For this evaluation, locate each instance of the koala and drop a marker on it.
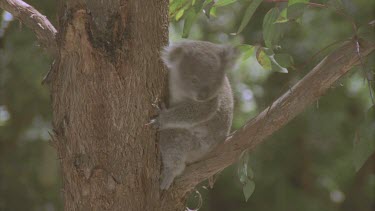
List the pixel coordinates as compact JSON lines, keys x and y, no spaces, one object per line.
{"x":200,"y":107}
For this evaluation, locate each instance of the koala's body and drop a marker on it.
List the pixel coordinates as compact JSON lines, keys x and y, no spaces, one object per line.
{"x":199,"y":115}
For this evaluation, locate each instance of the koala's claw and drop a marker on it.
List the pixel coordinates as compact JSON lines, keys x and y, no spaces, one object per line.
{"x":154,"y":123}
{"x":159,"y":108}
{"x":156,"y":106}
{"x":156,"y":103}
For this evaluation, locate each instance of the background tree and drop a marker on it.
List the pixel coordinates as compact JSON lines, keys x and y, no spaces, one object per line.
{"x":102,"y":88}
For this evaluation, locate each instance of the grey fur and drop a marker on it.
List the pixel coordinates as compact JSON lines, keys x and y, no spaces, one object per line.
{"x":200,"y":104}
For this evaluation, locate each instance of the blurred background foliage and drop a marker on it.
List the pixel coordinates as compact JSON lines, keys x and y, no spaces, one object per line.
{"x":323,"y":160}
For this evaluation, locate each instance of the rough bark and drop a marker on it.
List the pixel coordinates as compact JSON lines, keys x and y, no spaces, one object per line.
{"x":104,"y":79}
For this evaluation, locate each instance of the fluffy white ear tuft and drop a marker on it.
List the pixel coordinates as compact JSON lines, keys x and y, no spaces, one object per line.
{"x":172,"y":54}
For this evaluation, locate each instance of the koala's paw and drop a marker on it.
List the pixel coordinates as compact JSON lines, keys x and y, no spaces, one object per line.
{"x":155,"y":121}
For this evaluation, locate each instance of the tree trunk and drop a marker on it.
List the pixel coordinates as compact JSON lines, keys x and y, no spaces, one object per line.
{"x":106,"y":74}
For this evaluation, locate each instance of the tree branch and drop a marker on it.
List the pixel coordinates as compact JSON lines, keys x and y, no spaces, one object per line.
{"x":284,"y":109}
{"x":42,"y":27}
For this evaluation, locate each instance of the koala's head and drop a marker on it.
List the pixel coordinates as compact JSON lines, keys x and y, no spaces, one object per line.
{"x":198,"y":68}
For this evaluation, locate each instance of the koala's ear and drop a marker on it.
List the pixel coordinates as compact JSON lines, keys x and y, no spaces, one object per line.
{"x":229,"y":55}
{"x":172,"y":54}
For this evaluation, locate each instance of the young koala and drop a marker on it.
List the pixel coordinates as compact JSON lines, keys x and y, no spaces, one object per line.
{"x":200,"y":109}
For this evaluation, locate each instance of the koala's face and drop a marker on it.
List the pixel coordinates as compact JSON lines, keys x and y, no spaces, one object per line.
{"x":198,"y":68}
{"x":200,"y":74}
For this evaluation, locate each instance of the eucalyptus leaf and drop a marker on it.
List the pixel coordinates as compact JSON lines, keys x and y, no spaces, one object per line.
{"x":364,"y":143}
{"x":243,"y":178}
{"x":208,"y":7}
{"x":248,"y":189}
{"x":268,"y":51}
{"x":266,"y":58}
{"x":282,"y":17}
{"x":263,"y":59}
{"x":198,"y":6}
{"x":213,"y":12}
{"x":176,"y":5}
{"x":295,"y":11}
{"x":246,"y":50}
{"x":248,"y":14}
{"x":284,"y":60}
{"x":190,"y":17}
{"x":283,"y":13}
{"x":271,"y":30}
{"x":276,"y":66}
{"x":179,"y":14}
{"x":221,"y":3}
{"x":250,"y":173}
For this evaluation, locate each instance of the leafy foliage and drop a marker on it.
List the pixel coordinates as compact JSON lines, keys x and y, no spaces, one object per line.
{"x":246,"y":175}
{"x":248,"y":14}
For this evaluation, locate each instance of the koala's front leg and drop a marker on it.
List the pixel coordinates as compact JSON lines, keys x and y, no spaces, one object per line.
{"x":154,"y":121}
{"x":187,"y":114}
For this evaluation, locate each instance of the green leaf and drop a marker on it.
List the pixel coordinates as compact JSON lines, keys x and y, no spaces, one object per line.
{"x":285,"y":60}
{"x":213,"y":12}
{"x":291,"y":2}
{"x":364,"y":142}
{"x":248,"y":14}
{"x":295,"y":11}
{"x":263,"y":59}
{"x":271,"y":30}
{"x":208,"y":7}
{"x":243,"y":178}
{"x":179,"y":14}
{"x":283,"y":13}
{"x":246,"y":50}
{"x":282,"y":17}
{"x":250,"y":173}
{"x":266,"y":59}
{"x":198,"y":6}
{"x":276,"y":66}
{"x":248,"y":189}
{"x":268,"y":51}
{"x":190,"y":17}
{"x":221,"y":3}
{"x":175,"y":6}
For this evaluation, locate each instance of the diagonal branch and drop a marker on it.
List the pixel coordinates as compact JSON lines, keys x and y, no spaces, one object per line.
{"x":42,"y":27}
{"x":284,"y":109}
